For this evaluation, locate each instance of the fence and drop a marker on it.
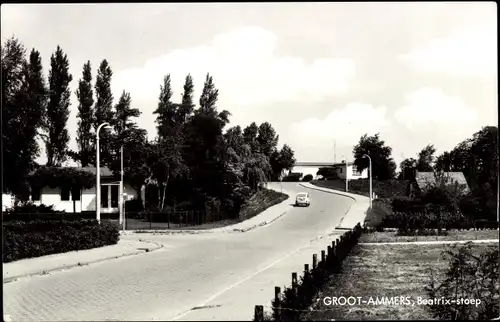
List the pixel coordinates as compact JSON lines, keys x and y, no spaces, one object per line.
{"x":170,"y":220}
{"x":288,"y":305}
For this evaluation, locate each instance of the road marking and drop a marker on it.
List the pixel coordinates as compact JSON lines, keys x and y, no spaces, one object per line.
{"x":213,"y":297}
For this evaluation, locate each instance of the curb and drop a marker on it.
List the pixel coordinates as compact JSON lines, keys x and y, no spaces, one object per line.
{"x":326,"y":190}
{"x":62,"y":268}
{"x":335,"y":192}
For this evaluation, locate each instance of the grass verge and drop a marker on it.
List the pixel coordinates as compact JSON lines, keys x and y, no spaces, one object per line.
{"x":383,"y":271}
{"x":452,"y":235}
{"x":258,"y":203}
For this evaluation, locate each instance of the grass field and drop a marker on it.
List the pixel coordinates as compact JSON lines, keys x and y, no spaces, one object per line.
{"x":391,"y":236}
{"x":383,"y":271}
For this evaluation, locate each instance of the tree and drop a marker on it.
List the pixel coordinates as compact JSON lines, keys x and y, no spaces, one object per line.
{"x":165,"y":112}
{"x":477,"y":159}
{"x":23,"y":105}
{"x":103,"y":109}
{"x":408,"y":167}
{"x":57,"y":136}
{"x":250,"y":134}
{"x":282,"y":160}
{"x":267,"y":139}
{"x":383,"y":165}
{"x":134,"y":142}
{"x":165,"y":163}
{"x":85,"y":115}
{"x":426,"y":159}
{"x":443,"y":162}
{"x":187,"y":105}
{"x":209,"y":96}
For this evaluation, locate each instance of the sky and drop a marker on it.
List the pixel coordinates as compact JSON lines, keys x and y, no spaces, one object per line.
{"x":323,"y":74}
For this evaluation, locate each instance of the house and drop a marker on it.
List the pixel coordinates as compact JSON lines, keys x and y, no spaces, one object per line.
{"x":76,"y":199}
{"x":350,"y":171}
{"x":424,"y":180}
{"x":313,"y":167}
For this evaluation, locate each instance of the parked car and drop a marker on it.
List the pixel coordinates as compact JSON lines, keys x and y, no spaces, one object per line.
{"x":302,"y":199}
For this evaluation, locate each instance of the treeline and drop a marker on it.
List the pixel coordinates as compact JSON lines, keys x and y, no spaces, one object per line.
{"x":193,"y":159}
{"x":475,"y":157}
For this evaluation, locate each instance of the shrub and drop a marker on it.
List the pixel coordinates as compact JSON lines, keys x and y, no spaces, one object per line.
{"x":292,"y":177}
{"x":307,"y":178}
{"x":29,"y":211}
{"x":134,"y":205}
{"x":42,"y":237}
{"x":382,"y":188}
{"x":469,"y":276}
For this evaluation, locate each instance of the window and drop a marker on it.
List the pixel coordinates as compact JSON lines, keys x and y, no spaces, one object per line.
{"x":114,"y":196}
{"x":75,"y":193}
{"x":65,"y":194}
{"x":104,"y":196}
{"x":35,"y":193}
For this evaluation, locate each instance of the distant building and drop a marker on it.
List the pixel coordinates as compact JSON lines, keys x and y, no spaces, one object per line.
{"x":312,"y":168}
{"x":425,"y":180}
{"x":351,"y":171}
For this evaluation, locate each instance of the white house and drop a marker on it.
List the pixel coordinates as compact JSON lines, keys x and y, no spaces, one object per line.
{"x":351,"y":171}
{"x":312,"y":168}
{"x":75,"y":199}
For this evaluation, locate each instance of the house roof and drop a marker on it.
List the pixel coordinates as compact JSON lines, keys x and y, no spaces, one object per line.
{"x":105,"y":171}
{"x":342,"y":164}
{"x":424,"y":179}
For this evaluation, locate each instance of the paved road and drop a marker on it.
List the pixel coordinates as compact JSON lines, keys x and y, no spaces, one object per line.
{"x":228,"y":270}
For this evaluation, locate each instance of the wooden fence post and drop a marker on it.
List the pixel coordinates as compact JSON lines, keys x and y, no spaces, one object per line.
{"x":306,"y":268}
{"x":294,"y":278}
{"x":277,"y":303}
{"x":259,"y":313}
{"x":315,"y":261}
{"x":323,"y":256}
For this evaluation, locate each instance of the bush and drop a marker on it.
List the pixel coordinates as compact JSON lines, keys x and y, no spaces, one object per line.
{"x":259,"y":202}
{"x":29,"y":211}
{"x":307,"y":178}
{"x":383,"y":188}
{"x":292,"y":177}
{"x":134,"y":205}
{"x":470,"y":276}
{"x":43,"y":237}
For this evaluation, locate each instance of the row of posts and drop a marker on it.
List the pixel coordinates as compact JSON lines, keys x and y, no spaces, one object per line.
{"x":287,"y":305}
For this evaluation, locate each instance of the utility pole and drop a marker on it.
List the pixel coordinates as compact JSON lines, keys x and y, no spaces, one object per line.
{"x":334,"y":151}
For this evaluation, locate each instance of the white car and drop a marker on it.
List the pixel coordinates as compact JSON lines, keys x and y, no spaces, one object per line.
{"x":302,"y":199}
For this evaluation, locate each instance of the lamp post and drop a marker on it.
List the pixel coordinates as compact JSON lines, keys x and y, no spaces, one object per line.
{"x":370,"y":171}
{"x":98,"y":172}
{"x":122,"y":205}
{"x":346,"y":173}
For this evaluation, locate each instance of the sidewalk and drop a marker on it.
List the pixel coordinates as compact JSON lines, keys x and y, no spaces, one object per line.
{"x":356,"y":213}
{"x":50,"y":263}
{"x":264,"y":218}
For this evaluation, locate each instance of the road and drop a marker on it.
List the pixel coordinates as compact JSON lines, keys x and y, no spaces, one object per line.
{"x":228,"y":273}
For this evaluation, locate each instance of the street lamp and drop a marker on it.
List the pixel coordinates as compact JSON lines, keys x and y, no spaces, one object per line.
{"x":98,"y":172}
{"x":346,"y":173}
{"x":371,"y":177}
